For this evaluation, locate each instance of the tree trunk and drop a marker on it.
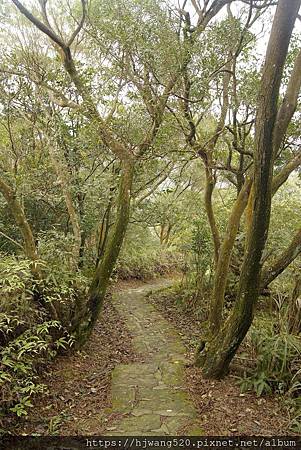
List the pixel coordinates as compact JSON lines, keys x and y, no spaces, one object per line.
{"x":223,"y":347}
{"x":30,"y":249}
{"x":103,"y":232}
{"x":82,"y":249}
{"x":162,"y":233}
{"x":81,"y":209}
{"x":224,"y":257}
{"x":85,"y":322}
{"x":281,"y":177}
{"x":289,"y":104}
{"x":21,"y":221}
{"x":280,"y":264}
{"x":210,"y":183}
{"x":167,"y":235}
{"x":206,"y":155}
{"x":165,"y":230}
{"x":60,"y":167}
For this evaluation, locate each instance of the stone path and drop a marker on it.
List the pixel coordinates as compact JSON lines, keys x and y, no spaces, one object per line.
{"x":150,"y":396}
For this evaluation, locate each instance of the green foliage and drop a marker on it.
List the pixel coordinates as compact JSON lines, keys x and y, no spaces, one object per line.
{"x":61,"y":285}
{"x":56,"y":422}
{"x":142,"y":256}
{"x":277,"y":356}
{"x":159,"y":86}
{"x":293,"y":402}
{"x":15,"y":275}
{"x":286,"y":209}
{"x":194,"y":291}
{"x":21,"y":361}
{"x":28,"y":339}
{"x":17,"y":310}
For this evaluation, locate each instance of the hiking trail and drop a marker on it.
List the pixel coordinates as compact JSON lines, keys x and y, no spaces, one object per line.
{"x":150,"y":395}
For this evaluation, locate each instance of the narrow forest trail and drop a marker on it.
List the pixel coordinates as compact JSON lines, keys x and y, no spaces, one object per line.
{"x":131,"y":379}
{"x":150,"y":396}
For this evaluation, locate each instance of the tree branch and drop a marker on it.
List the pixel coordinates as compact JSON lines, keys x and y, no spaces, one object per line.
{"x":80,"y":25}
{"x":12,"y":240}
{"x":40,"y":25}
{"x":289,"y":104}
{"x":282,"y":262}
{"x":285,"y":172}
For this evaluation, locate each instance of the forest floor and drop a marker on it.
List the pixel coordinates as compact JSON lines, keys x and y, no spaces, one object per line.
{"x":132,"y":378}
{"x":222,"y":409}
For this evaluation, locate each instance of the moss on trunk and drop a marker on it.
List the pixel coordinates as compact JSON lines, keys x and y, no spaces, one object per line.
{"x":85,"y":323}
{"x":220,"y":351}
{"x":224,"y":258}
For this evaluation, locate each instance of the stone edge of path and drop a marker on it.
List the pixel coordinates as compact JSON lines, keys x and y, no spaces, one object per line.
{"x":149,"y":398}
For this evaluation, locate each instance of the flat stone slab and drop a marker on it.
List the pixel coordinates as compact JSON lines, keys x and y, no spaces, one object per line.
{"x":150,"y":396}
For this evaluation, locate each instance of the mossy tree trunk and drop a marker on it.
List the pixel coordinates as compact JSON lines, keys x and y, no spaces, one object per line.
{"x":85,"y":322}
{"x":19,"y":216}
{"x":209,"y":188}
{"x":245,"y":202}
{"x":270,"y":272}
{"x":224,"y":258}
{"x":29,"y":245}
{"x":220,"y":351}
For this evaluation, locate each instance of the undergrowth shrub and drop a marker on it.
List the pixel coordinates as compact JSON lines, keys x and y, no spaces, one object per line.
{"x":277,"y":357}
{"x":188,"y":299}
{"x":17,"y":308}
{"x":293,"y":402}
{"x":143,"y":266}
{"x":62,"y":286}
{"x":28,"y":338}
{"x":194,"y":290}
{"x":277,"y":354}
{"x":22,"y":360}
{"x":143,"y":257}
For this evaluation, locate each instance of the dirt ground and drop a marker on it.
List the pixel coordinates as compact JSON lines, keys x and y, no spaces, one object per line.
{"x":79,"y":384}
{"x":223,"y":409}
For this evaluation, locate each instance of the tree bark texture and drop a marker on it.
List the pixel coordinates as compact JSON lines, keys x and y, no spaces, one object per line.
{"x":18,"y":214}
{"x":223,"y":347}
{"x":85,"y":323}
{"x":224,"y":257}
{"x":269,"y":273}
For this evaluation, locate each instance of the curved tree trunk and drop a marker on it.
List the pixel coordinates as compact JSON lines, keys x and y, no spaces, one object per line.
{"x":280,"y":264}
{"x":223,"y":347}
{"x":30,"y":249}
{"x":281,"y":177}
{"x":222,"y":267}
{"x":21,"y":221}
{"x":289,"y":104}
{"x":86,"y":321}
